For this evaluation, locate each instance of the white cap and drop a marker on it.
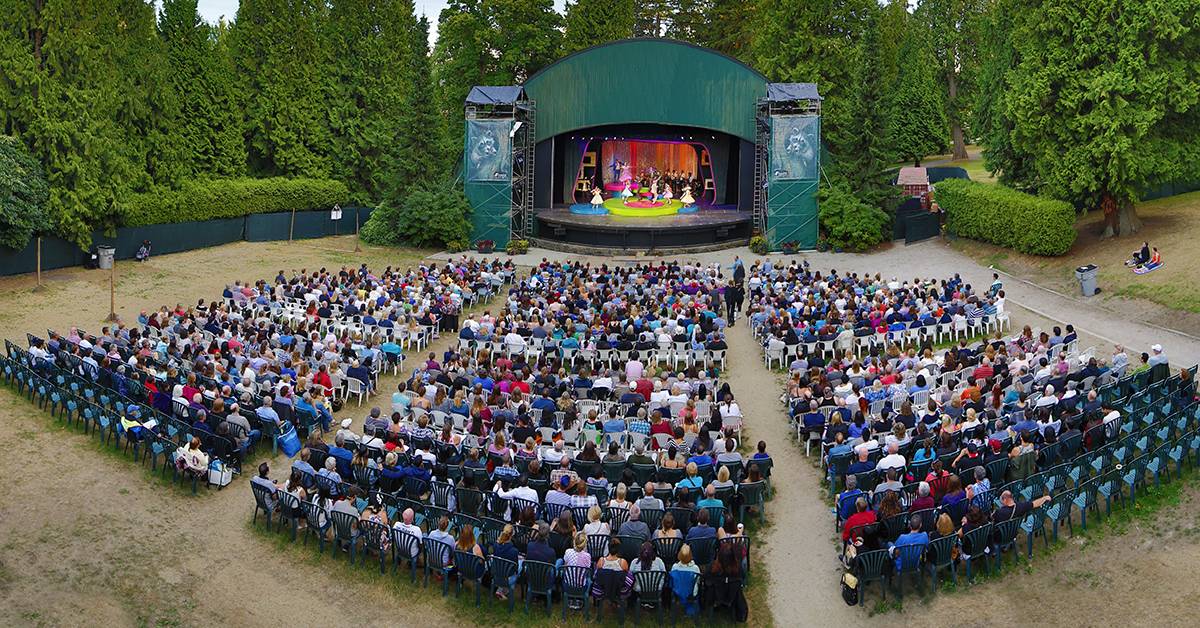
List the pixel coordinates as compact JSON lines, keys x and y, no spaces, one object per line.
{"x":1156,"y":348}
{"x":346,"y":423}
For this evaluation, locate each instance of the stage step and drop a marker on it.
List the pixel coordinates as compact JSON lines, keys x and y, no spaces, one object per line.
{"x":588,"y":249}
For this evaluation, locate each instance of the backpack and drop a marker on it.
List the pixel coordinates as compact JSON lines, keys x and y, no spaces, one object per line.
{"x":849,"y":589}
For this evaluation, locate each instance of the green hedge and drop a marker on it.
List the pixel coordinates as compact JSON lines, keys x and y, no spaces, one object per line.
{"x":1000,"y":215}
{"x":231,"y":198}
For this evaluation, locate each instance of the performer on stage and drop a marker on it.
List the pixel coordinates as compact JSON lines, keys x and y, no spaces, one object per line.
{"x":667,"y":193}
{"x":654,"y":190}
{"x":626,"y":193}
{"x":597,"y":198}
{"x":687,"y":199}
{"x":626,"y":174}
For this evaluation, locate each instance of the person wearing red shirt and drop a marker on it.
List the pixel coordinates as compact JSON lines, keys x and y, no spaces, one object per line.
{"x":644,"y":387}
{"x":984,"y":370}
{"x":862,"y":516}
{"x":321,"y":378}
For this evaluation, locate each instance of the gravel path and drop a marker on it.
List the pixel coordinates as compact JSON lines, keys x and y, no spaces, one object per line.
{"x":797,"y":551}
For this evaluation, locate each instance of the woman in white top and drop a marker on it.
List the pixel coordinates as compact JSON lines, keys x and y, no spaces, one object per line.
{"x":729,"y":407}
{"x":594,"y":524}
{"x":618,"y":500}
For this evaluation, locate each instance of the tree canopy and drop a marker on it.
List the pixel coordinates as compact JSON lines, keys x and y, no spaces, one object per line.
{"x":1102,"y":99}
{"x":1085,"y":102}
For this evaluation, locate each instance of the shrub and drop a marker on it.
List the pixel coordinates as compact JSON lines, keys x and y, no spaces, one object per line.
{"x":23,"y":194}
{"x":428,"y":215}
{"x":849,"y":223}
{"x":230,"y":198}
{"x":1000,"y":215}
{"x":758,"y":245}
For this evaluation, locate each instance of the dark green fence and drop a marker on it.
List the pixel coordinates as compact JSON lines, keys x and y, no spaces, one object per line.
{"x":183,"y":236}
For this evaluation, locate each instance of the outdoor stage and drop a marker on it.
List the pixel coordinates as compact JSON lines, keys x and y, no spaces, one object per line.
{"x":700,"y":229}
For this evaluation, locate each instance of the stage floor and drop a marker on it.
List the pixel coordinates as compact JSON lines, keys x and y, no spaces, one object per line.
{"x":704,"y":228}
{"x":703,"y":219}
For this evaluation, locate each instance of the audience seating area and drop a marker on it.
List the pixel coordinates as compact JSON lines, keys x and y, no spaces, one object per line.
{"x":578,"y":444}
{"x":938,"y":458}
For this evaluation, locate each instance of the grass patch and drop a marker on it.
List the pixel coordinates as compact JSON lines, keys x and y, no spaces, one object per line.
{"x":1174,"y":296}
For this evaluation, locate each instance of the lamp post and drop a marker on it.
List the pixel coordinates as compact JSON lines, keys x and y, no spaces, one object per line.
{"x":357,"y":248}
{"x":112,"y":292}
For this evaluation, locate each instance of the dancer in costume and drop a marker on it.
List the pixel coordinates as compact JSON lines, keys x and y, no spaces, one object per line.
{"x":667,"y":193}
{"x":597,"y":198}
{"x":654,"y":190}
{"x":626,"y":193}
{"x":687,"y":199}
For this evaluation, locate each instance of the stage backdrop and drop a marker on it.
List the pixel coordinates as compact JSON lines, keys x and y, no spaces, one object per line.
{"x":794,"y":167}
{"x":487,"y":165}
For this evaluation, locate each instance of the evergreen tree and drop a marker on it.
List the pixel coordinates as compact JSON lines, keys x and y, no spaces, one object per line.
{"x":426,"y":161}
{"x":524,"y":36}
{"x":728,"y":27}
{"x":954,"y":25}
{"x":863,"y":158}
{"x":373,"y":86}
{"x":461,"y":59}
{"x":23,"y":194}
{"x":893,"y":22}
{"x":201,"y":76}
{"x":283,"y":60}
{"x":99,"y":113}
{"x":592,"y":22}
{"x":813,"y":42}
{"x":998,"y":57}
{"x":916,"y":110}
{"x":691,"y":20}
{"x":652,"y":18}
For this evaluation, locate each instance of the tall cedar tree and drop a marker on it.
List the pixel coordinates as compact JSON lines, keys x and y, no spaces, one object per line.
{"x":461,"y":59}
{"x":1105,"y":98}
{"x":524,"y":37}
{"x":201,"y":76}
{"x":283,"y":60}
{"x":864,"y":159}
{"x":916,"y":111}
{"x":813,"y":42}
{"x":592,"y":22}
{"x":992,"y":125}
{"x":373,"y":86}
{"x":954,"y":26}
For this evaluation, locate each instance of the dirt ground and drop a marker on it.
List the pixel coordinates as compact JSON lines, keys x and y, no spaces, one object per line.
{"x":87,"y":538}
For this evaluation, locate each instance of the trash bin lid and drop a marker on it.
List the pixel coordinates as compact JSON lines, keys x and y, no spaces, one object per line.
{"x":1085,"y":269}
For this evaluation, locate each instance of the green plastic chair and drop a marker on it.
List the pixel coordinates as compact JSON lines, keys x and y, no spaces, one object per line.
{"x":975,"y":546}
{"x":869,"y":567}
{"x":939,"y":556}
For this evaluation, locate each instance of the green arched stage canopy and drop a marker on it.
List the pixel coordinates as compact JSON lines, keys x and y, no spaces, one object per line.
{"x":655,"y":81}
{"x":644,"y":109}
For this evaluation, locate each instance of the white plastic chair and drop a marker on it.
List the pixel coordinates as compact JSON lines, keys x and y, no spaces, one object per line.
{"x":355,"y":386}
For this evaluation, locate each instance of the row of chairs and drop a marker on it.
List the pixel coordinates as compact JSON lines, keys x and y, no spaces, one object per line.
{"x":419,"y":554}
{"x":81,"y":403}
{"x":1155,"y":443}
